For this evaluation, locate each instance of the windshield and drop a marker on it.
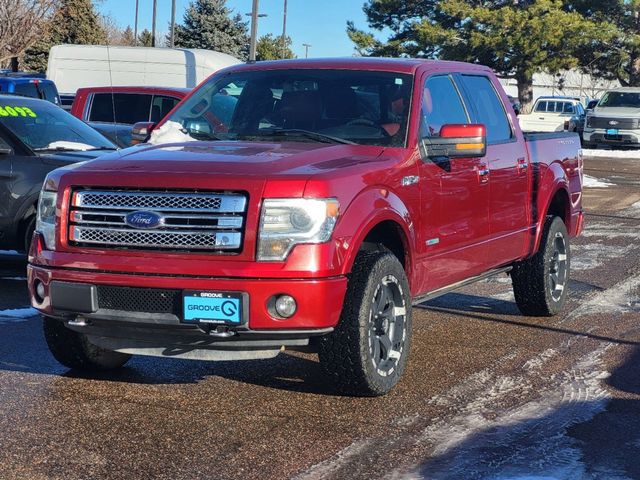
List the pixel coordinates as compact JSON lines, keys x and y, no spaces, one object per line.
{"x":620,"y":99}
{"x":43,"y":126}
{"x":341,"y":105}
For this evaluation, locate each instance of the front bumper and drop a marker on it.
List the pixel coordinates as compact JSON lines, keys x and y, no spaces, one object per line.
{"x":76,"y":296}
{"x":624,"y":137}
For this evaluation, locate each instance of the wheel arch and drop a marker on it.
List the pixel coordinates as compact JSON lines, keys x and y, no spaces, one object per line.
{"x":388,"y":225}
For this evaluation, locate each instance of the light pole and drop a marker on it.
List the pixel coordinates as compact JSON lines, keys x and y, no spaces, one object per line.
{"x":284,"y":31}
{"x":153,"y":23}
{"x":135,"y":28}
{"x":173,"y":24}
{"x":306,"y":50}
{"x":254,"y":30}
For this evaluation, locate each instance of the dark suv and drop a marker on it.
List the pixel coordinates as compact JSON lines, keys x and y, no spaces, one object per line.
{"x":35,"y":138}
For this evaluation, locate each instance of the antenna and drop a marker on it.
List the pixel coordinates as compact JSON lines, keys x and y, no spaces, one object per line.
{"x":113,"y":101}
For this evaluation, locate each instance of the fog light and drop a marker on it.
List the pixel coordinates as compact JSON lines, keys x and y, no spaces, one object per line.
{"x":286,"y":306}
{"x":39,"y":290}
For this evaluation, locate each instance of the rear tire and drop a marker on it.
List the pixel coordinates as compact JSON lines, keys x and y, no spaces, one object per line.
{"x":540,"y":283}
{"x":367,"y":352}
{"x":73,"y":349}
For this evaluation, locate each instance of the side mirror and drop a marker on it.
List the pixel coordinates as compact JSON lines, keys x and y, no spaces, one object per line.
{"x":140,"y":132}
{"x":457,"y":141}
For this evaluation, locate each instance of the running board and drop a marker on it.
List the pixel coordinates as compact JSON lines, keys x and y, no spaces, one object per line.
{"x":444,"y":290}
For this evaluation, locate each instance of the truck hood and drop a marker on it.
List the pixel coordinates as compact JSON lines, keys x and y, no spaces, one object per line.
{"x":246,"y":159}
{"x":615,"y":112}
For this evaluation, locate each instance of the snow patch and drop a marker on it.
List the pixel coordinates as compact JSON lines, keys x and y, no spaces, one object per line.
{"x":81,"y":147}
{"x":611,"y":153}
{"x":592,"y":182}
{"x":170,"y":132}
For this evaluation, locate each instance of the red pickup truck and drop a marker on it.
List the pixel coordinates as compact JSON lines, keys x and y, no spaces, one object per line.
{"x":309,"y":210}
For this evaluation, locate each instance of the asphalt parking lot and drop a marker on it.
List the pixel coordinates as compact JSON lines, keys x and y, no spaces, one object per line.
{"x":488,"y":394}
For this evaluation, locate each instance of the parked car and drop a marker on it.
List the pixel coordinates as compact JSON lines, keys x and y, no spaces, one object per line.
{"x":35,"y":138}
{"x":615,"y":120}
{"x":113,"y":110}
{"x":336,"y":195}
{"x":29,"y":86}
{"x":554,"y":114}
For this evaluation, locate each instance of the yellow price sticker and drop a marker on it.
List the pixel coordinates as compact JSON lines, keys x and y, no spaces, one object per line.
{"x":9,"y":111}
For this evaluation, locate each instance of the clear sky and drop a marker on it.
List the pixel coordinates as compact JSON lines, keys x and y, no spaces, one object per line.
{"x":320,"y":23}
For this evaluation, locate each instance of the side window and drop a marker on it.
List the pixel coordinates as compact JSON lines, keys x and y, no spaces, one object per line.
{"x":26,"y":90}
{"x":129,"y":108}
{"x":580,"y":109}
{"x":160,"y":106}
{"x":542,"y":107}
{"x":101,"y":108}
{"x":49,"y":92}
{"x":568,"y":108}
{"x":441,"y":105}
{"x":488,"y":108}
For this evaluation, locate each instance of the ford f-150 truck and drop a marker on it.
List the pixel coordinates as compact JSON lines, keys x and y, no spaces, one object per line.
{"x":336,"y":195}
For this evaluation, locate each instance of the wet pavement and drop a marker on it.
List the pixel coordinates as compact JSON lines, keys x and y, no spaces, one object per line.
{"x":488,"y":394}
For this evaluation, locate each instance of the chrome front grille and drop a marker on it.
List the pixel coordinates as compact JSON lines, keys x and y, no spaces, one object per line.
{"x":186,"y":221}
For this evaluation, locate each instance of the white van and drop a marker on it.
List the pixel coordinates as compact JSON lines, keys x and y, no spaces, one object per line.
{"x":76,"y":66}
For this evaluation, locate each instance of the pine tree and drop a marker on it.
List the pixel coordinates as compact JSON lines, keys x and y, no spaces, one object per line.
{"x":145,"y":39}
{"x":516,"y":38}
{"x":616,"y":57}
{"x":209,"y":24}
{"x":269,"y":47}
{"x":74,"y":22}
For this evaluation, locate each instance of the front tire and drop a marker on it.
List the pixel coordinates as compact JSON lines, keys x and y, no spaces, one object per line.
{"x":73,"y":349}
{"x":540,"y":283}
{"x":367,"y":352}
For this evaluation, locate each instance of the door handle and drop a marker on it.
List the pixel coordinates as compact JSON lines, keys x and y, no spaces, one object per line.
{"x":522,"y":165}
{"x":483,"y":173}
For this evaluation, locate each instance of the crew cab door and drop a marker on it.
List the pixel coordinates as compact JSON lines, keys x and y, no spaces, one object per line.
{"x":508,"y":164}
{"x":454,"y":195}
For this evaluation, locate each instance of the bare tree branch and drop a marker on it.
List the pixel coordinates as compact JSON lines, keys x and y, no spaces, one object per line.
{"x":22,"y":23}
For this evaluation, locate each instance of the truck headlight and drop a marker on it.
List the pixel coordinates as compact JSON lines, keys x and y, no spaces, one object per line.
{"x":287,"y":222}
{"x":46,"y":218}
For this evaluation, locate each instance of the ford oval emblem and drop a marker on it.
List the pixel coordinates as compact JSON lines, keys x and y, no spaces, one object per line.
{"x":144,"y":220}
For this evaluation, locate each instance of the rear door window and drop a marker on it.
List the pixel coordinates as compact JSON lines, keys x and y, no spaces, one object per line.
{"x":161,"y":106}
{"x":26,"y":90}
{"x":568,"y":108}
{"x":487,"y":107}
{"x":541,"y":107}
{"x":129,"y":108}
{"x":441,"y":105}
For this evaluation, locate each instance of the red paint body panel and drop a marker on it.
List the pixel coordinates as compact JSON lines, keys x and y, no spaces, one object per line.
{"x":454,"y":222}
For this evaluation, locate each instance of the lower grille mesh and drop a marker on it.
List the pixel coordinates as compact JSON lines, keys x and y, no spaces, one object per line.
{"x":151,"y":300}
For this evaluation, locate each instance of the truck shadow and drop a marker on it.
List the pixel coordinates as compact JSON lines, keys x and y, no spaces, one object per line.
{"x":582,"y":438}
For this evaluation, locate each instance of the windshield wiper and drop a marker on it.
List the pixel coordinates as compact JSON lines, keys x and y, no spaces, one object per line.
{"x":57,"y":149}
{"x":99,"y":149}
{"x":319,"y":137}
